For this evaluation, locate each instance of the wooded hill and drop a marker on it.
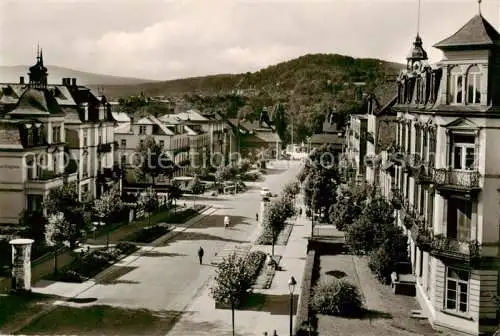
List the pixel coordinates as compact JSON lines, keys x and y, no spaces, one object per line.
{"x":306,"y":87}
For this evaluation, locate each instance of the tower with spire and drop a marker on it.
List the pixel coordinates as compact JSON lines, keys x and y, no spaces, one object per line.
{"x":417,"y":53}
{"x":38,"y":72}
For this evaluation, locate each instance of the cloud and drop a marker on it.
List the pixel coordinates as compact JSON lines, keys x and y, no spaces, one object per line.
{"x":170,"y":39}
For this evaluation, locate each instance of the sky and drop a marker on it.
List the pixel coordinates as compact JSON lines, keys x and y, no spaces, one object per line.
{"x":167,"y":39}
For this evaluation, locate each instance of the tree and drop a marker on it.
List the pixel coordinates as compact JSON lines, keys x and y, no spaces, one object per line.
{"x":232,"y":280}
{"x":35,"y":224}
{"x":108,"y":207}
{"x":174,"y":192}
{"x":60,"y":232}
{"x":149,"y":201}
{"x":65,"y":200}
{"x":291,"y":189}
{"x":276,"y":215}
{"x":370,"y":230}
{"x":280,"y":122}
{"x":154,"y":161}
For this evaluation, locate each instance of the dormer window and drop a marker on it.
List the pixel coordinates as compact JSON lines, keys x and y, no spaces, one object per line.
{"x":456,"y":86}
{"x":142,"y":130}
{"x":474,"y":85}
{"x":30,"y":137}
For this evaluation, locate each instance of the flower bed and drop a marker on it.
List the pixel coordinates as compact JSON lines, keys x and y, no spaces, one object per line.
{"x":89,"y":264}
{"x":266,"y":275}
{"x":148,"y":234}
{"x":266,"y":236}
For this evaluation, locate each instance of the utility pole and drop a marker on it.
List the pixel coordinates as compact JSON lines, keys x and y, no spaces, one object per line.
{"x":292,"y":131}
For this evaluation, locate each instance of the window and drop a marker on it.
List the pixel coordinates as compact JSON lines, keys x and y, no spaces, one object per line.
{"x":85,"y":166}
{"x":85,"y":138}
{"x":123,"y":143}
{"x":459,"y":219}
{"x":457,"y":290}
{"x":162,"y":143}
{"x":456,"y":86}
{"x":99,"y":140}
{"x":425,"y":156}
{"x":463,"y":152}
{"x":141,"y":143}
{"x":123,"y":159}
{"x":56,"y":135}
{"x":30,"y":137}
{"x":34,"y":203}
{"x":142,"y":130}
{"x":474,"y":85}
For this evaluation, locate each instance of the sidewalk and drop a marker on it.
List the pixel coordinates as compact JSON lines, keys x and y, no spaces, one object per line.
{"x":67,"y":291}
{"x":271,"y":313}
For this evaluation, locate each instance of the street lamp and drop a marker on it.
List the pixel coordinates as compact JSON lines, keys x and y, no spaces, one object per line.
{"x":291,"y":286}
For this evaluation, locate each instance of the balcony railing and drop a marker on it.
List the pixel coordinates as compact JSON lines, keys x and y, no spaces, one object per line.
{"x":422,"y":234}
{"x":423,"y":175}
{"x":104,"y":147}
{"x":45,"y":175}
{"x":462,"y":179}
{"x":449,"y":248}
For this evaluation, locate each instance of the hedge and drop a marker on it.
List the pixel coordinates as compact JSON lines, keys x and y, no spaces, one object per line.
{"x":304,"y":312}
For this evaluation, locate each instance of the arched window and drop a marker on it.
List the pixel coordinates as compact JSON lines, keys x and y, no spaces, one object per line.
{"x":456,"y":86}
{"x":474,"y":85}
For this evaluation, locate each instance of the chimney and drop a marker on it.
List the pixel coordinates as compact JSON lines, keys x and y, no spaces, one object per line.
{"x":73,"y":81}
{"x":63,"y":81}
{"x":21,"y":80}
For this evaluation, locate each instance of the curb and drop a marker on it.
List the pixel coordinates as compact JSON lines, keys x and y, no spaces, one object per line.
{"x":105,"y":273}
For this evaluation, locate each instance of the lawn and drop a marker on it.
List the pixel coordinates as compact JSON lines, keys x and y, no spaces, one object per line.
{"x":15,"y":308}
{"x":103,"y":320}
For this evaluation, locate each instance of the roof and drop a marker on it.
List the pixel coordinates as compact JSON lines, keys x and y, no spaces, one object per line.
{"x":477,"y":32}
{"x":120,"y":116}
{"x":170,"y":119}
{"x":260,"y":137}
{"x":161,"y":126}
{"x":191,"y":115}
{"x":189,"y":130}
{"x":386,"y":135}
{"x":36,"y":102}
{"x":326,"y":138}
{"x":144,"y":121}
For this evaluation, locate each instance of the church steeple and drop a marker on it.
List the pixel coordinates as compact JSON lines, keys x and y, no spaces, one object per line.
{"x":38,"y":72}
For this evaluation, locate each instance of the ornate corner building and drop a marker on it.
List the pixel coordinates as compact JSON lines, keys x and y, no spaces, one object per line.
{"x":51,"y":134}
{"x":446,"y":176}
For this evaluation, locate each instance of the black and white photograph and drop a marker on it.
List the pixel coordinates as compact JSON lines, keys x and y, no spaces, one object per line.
{"x":250,"y":167}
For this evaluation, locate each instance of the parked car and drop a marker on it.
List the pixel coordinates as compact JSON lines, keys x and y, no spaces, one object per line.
{"x":402,"y":279}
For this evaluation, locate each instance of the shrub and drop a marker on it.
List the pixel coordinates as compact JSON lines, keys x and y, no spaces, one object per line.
{"x":337,"y":297}
{"x":253,"y":263}
{"x":235,"y":277}
{"x":125,"y":247}
{"x":304,"y":313}
{"x":381,"y":264}
{"x":148,"y":234}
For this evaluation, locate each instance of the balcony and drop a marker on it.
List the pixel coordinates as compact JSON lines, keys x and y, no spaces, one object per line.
{"x":109,"y":175}
{"x":423,"y":175}
{"x":456,"y":180}
{"x":450,"y":249}
{"x":421,"y":234}
{"x":48,"y":179}
{"x":104,"y":147}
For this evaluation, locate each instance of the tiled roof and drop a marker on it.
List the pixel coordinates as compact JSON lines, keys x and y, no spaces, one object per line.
{"x":326,"y":138}
{"x":476,"y":32}
{"x":385,"y":95}
{"x":123,"y":128}
{"x":191,"y":115}
{"x":165,"y":130}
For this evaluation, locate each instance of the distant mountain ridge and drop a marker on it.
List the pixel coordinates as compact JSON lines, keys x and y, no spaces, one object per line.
{"x":11,"y":74}
{"x":306,"y":75}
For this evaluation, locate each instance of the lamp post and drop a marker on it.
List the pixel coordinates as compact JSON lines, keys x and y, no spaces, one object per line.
{"x":291,"y":286}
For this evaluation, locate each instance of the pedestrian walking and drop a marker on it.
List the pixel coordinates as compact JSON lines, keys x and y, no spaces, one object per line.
{"x":200,"y":254}
{"x":257,"y":216}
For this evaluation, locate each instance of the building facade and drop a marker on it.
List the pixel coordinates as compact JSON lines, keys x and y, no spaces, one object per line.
{"x":447,"y":176}
{"x":43,"y":144}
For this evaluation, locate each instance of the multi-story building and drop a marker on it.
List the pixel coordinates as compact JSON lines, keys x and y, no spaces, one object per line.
{"x":41,"y":142}
{"x":371,"y":131}
{"x":447,"y":172}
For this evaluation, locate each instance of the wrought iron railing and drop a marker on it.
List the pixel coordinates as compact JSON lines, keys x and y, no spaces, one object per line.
{"x":451,"y":248}
{"x":466,"y":179}
{"x":422,"y":234}
{"x":104,"y":147}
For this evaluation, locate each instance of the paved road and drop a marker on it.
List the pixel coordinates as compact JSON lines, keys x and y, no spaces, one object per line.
{"x":169,"y":277}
